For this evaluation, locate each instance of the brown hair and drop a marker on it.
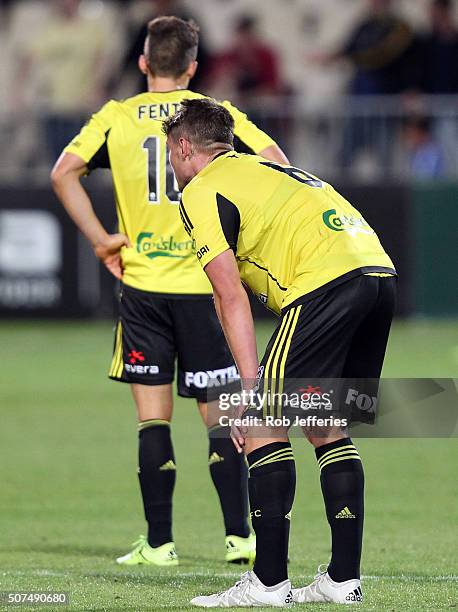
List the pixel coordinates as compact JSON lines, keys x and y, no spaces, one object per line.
{"x":202,"y":121}
{"x":171,"y":45}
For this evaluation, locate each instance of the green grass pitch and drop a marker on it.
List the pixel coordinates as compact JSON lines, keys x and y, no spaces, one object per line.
{"x":69,"y":500}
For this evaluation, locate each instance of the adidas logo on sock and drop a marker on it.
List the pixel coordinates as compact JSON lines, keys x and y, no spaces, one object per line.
{"x":356,"y":595}
{"x":215,"y":458}
{"x":168,"y":465}
{"x":345,"y":513}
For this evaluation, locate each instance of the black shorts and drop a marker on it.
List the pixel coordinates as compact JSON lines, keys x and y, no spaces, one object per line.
{"x":330,"y":343}
{"x":154,"y":330}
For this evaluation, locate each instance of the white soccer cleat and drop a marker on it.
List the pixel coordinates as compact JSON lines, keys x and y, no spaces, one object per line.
{"x":248,"y":592}
{"x":324,"y":590}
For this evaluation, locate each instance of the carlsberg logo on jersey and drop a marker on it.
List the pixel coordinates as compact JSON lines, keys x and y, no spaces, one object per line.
{"x":340,"y":223}
{"x":211,"y":378}
{"x":152,"y":247}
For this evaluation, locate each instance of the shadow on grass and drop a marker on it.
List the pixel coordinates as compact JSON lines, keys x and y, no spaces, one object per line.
{"x":110,"y":553}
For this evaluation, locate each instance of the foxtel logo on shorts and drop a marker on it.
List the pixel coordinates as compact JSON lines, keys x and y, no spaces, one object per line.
{"x":363,"y":401}
{"x":211,"y":378}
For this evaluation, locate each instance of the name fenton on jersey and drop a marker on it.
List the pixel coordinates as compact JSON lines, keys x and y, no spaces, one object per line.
{"x":157,"y":111}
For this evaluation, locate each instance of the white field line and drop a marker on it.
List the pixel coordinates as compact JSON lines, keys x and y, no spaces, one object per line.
{"x":402,"y":578}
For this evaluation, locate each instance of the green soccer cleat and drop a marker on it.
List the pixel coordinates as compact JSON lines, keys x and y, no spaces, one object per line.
{"x":144,"y":554}
{"x":241,"y":550}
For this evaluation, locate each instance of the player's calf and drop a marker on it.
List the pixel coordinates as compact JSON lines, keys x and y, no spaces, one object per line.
{"x":272,"y":485}
{"x":342,"y":485}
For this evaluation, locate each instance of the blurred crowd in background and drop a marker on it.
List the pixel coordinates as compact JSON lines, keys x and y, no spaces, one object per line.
{"x":366,"y":87}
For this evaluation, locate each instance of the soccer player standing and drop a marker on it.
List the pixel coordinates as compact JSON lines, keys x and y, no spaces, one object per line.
{"x":166,"y":306}
{"x":311,"y":258}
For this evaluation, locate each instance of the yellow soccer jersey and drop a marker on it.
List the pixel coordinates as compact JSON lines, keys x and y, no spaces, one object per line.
{"x":126,"y":137}
{"x":293,"y":235}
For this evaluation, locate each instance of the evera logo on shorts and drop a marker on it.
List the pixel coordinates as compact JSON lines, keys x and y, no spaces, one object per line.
{"x":211,"y":378}
{"x":341,"y":223}
{"x":136,"y":358}
{"x":141,"y":369}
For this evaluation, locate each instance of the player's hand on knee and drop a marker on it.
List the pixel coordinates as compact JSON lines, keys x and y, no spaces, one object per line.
{"x":238,"y":432}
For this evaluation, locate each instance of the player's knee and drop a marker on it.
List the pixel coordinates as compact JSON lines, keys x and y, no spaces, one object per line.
{"x":319,"y":438}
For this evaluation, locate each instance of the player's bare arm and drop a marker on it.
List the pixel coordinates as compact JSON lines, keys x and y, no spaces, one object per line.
{"x":66,"y":181}
{"x":234,"y":313}
{"x":274,"y":153}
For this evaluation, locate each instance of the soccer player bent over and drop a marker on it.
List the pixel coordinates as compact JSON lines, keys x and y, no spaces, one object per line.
{"x":165,"y":301}
{"x":312,"y":259}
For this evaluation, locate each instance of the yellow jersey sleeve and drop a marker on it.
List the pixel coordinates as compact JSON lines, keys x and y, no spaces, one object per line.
{"x":91,"y":143}
{"x":199,"y":213}
{"x":246,"y":131}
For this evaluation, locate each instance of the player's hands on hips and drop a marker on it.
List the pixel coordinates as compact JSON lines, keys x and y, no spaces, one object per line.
{"x":109,"y":252}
